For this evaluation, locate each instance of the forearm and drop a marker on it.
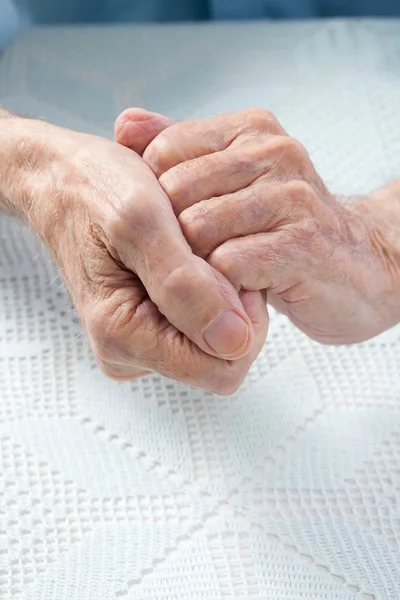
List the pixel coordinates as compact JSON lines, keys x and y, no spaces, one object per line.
{"x":31,"y":159}
{"x":13,"y":163}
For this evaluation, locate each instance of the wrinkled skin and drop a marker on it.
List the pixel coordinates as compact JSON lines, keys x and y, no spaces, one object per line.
{"x":144,"y":299}
{"x":250,"y":202}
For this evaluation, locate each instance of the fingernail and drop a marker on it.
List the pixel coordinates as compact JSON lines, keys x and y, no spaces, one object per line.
{"x":227,"y":335}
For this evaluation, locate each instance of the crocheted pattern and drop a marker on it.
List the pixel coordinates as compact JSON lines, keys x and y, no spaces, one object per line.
{"x":288,"y":490}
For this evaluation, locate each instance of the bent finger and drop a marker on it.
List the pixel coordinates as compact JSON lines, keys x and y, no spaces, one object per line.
{"x":191,"y":139}
{"x":135,"y":128}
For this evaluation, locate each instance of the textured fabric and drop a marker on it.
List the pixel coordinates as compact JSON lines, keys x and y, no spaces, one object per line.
{"x":149,"y":490}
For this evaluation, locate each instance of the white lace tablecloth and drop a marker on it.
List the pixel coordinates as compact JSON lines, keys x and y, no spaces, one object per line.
{"x":289,"y":490}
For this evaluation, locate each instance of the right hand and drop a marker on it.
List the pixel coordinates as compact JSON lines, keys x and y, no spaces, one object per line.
{"x":250,"y":202}
{"x":147,"y":303}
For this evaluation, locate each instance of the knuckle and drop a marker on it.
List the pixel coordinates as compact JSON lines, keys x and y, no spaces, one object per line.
{"x":102,"y":336}
{"x":231,"y":262}
{"x":184,"y":277}
{"x":172,"y":182}
{"x":131,"y":212}
{"x":157,"y":153}
{"x":264,"y":120}
{"x":111,"y":330}
{"x":300,"y":192}
{"x":249,"y":161}
{"x":292,"y":150}
{"x":193,"y":225}
{"x":179,"y":285}
{"x":225,"y":260}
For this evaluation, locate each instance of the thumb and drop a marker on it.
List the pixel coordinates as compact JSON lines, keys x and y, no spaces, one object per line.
{"x":135,"y":128}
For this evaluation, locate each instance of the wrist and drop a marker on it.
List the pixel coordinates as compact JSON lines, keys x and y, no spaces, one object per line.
{"x":10,"y":166}
{"x":19,"y":156}
{"x":379,"y":216}
{"x":29,"y":155}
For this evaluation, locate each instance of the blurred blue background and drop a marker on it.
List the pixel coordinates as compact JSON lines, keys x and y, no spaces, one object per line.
{"x":16,"y":13}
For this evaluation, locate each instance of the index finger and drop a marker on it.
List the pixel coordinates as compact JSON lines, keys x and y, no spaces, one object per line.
{"x":191,"y":139}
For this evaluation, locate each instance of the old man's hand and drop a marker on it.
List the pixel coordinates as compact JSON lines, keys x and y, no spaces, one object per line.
{"x":146,"y":302}
{"x":250,"y":202}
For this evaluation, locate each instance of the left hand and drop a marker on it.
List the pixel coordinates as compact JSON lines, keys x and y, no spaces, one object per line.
{"x":250,"y":201}
{"x":146,"y":303}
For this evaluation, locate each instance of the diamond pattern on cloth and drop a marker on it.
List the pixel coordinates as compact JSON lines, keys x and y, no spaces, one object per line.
{"x":149,"y":490}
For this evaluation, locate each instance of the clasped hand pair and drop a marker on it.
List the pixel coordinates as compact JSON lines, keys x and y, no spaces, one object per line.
{"x":172,"y":240}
